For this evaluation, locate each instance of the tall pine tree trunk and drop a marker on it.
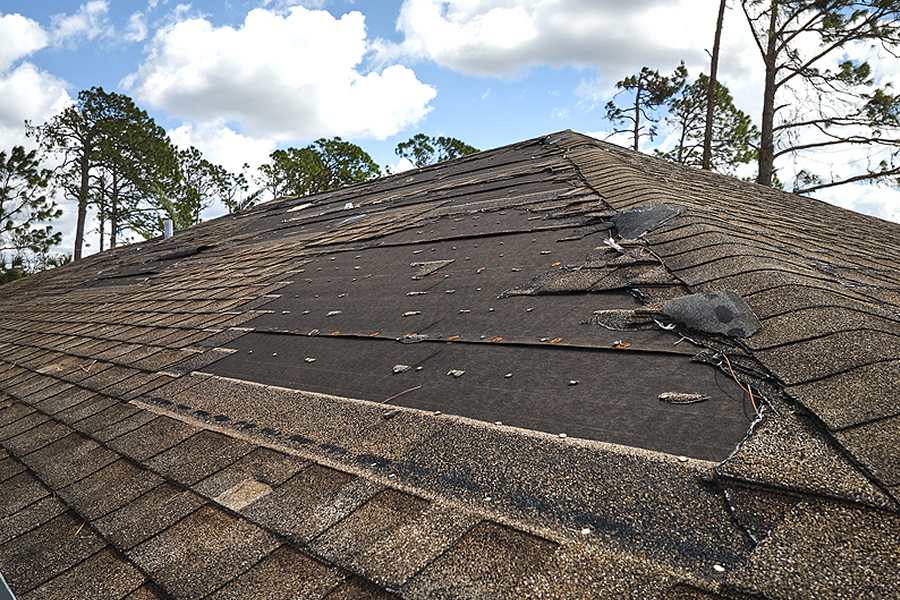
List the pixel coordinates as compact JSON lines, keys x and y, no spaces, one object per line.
{"x":711,"y":92}
{"x":85,"y":168}
{"x":637,"y":111}
{"x":114,"y":213}
{"x":767,"y":135}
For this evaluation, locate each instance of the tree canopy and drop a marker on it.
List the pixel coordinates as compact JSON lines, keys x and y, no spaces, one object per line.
{"x":26,"y":205}
{"x":641,"y":95}
{"x":111,"y":153}
{"x":422,"y":150}
{"x":809,"y":104}
{"x":733,"y":137}
{"x":324,"y":165}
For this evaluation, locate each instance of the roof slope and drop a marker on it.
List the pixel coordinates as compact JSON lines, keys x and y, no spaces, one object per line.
{"x":444,"y":384}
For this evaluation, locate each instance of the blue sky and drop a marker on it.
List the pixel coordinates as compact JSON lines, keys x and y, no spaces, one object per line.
{"x":242,"y":77}
{"x":482,"y":110}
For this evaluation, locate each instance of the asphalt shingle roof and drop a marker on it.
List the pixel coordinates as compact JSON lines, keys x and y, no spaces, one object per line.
{"x":449,"y":383}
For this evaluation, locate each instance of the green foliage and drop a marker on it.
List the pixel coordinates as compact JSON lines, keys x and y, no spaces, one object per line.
{"x":808,"y":102}
{"x":134,"y":157}
{"x":112,"y":155}
{"x":734,"y":137}
{"x":422,"y":150}
{"x":324,"y":165}
{"x":644,"y":93}
{"x":25,"y":204}
{"x":12,"y":270}
{"x":23,"y":264}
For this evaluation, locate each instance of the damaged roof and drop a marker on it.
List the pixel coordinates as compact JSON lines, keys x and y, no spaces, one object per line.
{"x":553,"y":369}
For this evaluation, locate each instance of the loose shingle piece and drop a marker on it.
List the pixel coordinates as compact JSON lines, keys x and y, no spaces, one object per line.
{"x":556,"y":369}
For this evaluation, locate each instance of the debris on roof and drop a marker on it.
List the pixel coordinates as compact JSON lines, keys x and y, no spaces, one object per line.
{"x":633,"y":223}
{"x":721,"y":312}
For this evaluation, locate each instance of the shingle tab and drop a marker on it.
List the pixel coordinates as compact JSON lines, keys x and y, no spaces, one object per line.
{"x":217,"y":545}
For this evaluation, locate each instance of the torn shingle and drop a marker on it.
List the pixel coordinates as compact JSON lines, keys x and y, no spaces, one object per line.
{"x":722,"y":312}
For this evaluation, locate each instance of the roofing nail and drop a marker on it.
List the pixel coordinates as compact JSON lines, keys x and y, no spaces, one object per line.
{"x":562,"y":435}
{"x":545,"y":251}
{"x":498,"y":422}
{"x":455,"y":372}
{"x":412,"y":313}
{"x":682,"y":459}
{"x":249,"y":351}
{"x":718,"y":568}
{"x":464,"y":311}
{"x":508,"y":375}
{"x":529,"y":309}
{"x":332,"y":313}
{"x":274,"y":354}
{"x":305,"y":312}
{"x":490,"y":310}
{"x":573,"y":382}
{"x":400,"y":369}
{"x":342,"y":295}
{"x":310,"y":359}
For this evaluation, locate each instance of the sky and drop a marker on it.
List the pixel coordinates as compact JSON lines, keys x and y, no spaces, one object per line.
{"x":239,"y":78}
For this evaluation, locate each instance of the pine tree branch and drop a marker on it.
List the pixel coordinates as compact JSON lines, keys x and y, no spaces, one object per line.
{"x":853,"y":179}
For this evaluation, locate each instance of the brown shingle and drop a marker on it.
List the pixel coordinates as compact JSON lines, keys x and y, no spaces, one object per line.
{"x":216,"y":545}
{"x":46,"y":551}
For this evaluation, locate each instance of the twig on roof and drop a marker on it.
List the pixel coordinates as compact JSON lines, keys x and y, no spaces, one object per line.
{"x":747,"y":390}
{"x":398,"y":394}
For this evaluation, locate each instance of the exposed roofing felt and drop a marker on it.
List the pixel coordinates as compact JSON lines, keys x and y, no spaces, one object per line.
{"x":554,"y":369}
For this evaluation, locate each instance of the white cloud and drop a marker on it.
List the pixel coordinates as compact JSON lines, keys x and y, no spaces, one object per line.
{"x":21,"y":36}
{"x":26,"y":92}
{"x":222,"y":145}
{"x":402,"y":165}
{"x":875,"y":200}
{"x":506,"y":37}
{"x":280,"y":76}
{"x":137,"y":28}
{"x":89,"y":22}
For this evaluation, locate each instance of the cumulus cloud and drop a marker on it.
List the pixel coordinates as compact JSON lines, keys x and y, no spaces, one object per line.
{"x":21,"y":36}
{"x":279,"y":75}
{"x":89,"y":22}
{"x":26,"y":92}
{"x":222,"y":145}
{"x":505,"y":37}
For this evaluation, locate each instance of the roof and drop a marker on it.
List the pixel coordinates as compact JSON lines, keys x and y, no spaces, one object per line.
{"x":553,"y":369}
